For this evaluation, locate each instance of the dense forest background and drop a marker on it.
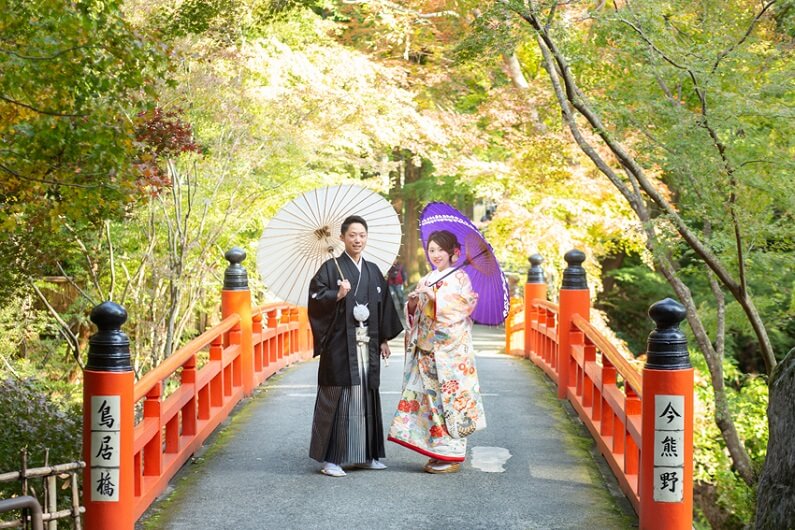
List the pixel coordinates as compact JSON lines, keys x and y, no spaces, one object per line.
{"x":141,"y":139}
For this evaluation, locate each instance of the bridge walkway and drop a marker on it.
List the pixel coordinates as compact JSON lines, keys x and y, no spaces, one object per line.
{"x":256,"y":474}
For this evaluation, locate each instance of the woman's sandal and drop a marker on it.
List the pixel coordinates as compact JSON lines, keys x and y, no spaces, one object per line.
{"x":431,"y":462}
{"x":439,"y":467}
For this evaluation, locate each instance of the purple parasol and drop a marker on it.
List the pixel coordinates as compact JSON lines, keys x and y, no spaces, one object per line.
{"x":477,"y":259}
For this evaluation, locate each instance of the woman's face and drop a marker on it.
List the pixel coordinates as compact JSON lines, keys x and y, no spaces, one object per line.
{"x":439,"y":256}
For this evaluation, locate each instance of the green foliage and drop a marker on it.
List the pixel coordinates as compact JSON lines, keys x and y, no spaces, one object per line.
{"x":73,"y":75}
{"x":633,"y":288}
{"x":727,"y":159}
{"x":748,"y":396}
{"x":200,"y":16}
{"x":491,"y":34}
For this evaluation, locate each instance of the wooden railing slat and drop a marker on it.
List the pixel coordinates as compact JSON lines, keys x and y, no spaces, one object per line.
{"x":628,"y":372}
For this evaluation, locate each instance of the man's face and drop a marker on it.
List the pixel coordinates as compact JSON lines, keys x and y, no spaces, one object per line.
{"x":355,"y":239}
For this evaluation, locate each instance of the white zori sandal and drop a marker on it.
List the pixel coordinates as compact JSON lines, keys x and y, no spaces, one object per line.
{"x":332,"y":470}
{"x":371,"y":464}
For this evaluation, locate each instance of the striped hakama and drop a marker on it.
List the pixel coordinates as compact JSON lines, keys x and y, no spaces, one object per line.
{"x":346,"y":425}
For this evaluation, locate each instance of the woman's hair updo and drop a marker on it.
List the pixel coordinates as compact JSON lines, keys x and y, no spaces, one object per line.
{"x":446,"y":240}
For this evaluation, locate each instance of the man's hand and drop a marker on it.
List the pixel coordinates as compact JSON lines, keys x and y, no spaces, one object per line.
{"x":385,"y":353}
{"x":343,"y":288}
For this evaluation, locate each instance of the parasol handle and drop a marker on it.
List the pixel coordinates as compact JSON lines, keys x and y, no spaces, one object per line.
{"x":466,"y":262}
{"x":331,"y":251}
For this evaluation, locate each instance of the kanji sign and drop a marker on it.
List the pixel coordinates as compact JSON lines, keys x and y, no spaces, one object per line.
{"x":669,"y":458}
{"x":105,"y":484}
{"x":668,"y":486}
{"x":669,"y":448}
{"x":104,"y":449}
{"x":105,"y":421}
{"x":669,"y":413}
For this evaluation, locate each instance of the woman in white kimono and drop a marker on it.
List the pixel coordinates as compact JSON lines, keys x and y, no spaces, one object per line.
{"x":440,"y":404}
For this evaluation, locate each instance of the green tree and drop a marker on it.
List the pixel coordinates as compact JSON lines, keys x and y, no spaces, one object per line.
{"x":74,"y":76}
{"x":691,"y":95}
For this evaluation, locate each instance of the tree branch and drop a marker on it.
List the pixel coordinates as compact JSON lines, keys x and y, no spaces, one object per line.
{"x":722,"y":55}
{"x":112,"y":287}
{"x":91,"y":265}
{"x":63,"y":327}
{"x":51,"y":182}
{"x":742,"y":285}
{"x":40,"y":111}
{"x":74,"y":284}
{"x":577,"y":100}
{"x":42,"y":58}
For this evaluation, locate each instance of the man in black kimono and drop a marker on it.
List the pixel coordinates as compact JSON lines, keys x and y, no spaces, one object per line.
{"x":352,"y":317}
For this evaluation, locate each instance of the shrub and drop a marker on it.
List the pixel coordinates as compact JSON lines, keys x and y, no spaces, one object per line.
{"x":748,"y":397}
{"x":31,"y":419}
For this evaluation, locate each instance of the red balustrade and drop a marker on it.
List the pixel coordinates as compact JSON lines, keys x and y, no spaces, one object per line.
{"x":182,"y":400}
{"x":651,"y":459}
{"x":514,"y":328}
{"x":607,"y":396}
{"x":172,"y":428}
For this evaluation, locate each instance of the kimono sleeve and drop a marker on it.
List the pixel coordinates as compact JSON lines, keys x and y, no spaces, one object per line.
{"x":390,"y":325}
{"x":322,"y":305}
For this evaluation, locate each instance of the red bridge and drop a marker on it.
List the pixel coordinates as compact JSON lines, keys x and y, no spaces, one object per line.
{"x":138,"y":435}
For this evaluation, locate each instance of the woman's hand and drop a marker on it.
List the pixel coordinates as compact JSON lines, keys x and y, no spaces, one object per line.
{"x":426,"y":289}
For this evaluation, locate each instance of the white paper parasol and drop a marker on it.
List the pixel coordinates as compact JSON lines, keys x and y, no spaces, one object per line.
{"x":298,"y":238}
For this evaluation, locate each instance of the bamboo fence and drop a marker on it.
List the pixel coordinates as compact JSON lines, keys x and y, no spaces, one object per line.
{"x":67,"y":474}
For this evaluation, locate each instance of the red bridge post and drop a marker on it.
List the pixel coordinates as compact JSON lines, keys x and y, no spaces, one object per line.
{"x":236,"y":298}
{"x":535,"y":288}
{"x":666,"y":473}
{"x":108,"y":424}
{"x":575,"y":299}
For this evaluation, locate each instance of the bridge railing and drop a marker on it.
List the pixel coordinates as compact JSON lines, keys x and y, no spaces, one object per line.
{"x":641,"y":420}
{"x":182,"y":401}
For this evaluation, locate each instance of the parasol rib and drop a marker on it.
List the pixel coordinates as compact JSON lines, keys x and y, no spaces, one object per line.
{"x":464,"y":264}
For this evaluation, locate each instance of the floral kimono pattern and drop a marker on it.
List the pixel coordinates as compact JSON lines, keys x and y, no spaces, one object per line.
{"x":440,"y":404}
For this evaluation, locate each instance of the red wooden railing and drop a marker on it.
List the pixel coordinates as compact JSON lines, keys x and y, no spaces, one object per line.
{"x":173,"y":427}
{"x":183,"y":400}
{"x":607,"y":392}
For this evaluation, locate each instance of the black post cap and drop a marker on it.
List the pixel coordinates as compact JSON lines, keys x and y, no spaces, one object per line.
{"x":535,"y":274}
{"x":574,"y":275}
{"x":109,"y":347}
{"x":667,"y":345}
{"x":235,"y":276}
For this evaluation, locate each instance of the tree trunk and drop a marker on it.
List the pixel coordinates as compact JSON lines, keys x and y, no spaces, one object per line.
{"x":573,"y":99}
{"x":514,"y":71}
{"x":632,"y":189}
{"x":775,"y":507}
{"x":415,"y":255}
{"x":397,"y":198}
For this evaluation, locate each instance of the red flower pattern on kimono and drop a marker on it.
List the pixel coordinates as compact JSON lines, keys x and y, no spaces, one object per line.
{"x":437,"y":431}
{"x":450,"y":386}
